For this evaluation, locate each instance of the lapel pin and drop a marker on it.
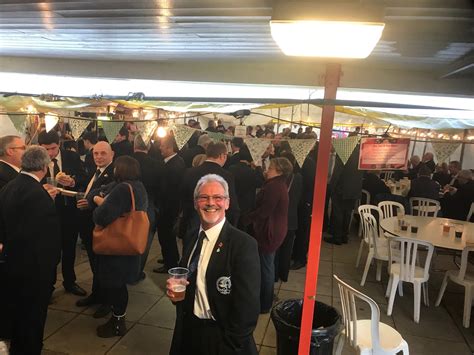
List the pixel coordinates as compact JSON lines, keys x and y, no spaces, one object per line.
{"x":219,"y":246}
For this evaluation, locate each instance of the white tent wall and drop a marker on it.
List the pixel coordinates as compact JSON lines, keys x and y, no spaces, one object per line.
{"x":468,"y":158}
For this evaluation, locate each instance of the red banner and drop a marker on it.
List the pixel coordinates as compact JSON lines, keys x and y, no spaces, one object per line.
{"x":384,"y":153}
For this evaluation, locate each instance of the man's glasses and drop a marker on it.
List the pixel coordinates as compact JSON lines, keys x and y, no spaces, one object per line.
{"x":207,"y":198}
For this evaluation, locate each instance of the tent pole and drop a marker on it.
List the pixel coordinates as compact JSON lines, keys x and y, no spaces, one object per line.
{"x":333,"y":74}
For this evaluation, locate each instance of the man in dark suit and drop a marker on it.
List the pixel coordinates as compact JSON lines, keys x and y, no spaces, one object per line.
{"x":429,"y":162}
{"x":121,"y":145}
{"x":11,"y":151}
{"x":30,"y":234}
{"x":66,"y":167}
{"x":236,"y":145}
{"x":454,"y":168}
{"x":189,"y":154}
{"x":173,"y":172}
{"x":151,"y":172}
{"x":216,"y":155}
{"x":374,"y":184}
{"x":423,"y":186}
{"x":219,"y":310}
{"x":90,"y":140}
{"x":103,"y":156}
{"x":347,"y":188}
{"x":457,"y":201}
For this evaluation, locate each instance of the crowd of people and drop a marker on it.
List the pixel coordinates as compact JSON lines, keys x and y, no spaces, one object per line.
{"x":243,"y":224}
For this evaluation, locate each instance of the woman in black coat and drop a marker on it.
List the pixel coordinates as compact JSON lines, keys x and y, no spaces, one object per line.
{"x":283,"y":254}
{"x":115,"y":271}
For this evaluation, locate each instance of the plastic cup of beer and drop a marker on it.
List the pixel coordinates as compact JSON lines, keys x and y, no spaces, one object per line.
{"x":178,"y":278}
{"x":52,"y":181}
{"x":414,"y":229}
{"x":458,"y":230}
{"x":80,"y":196}
{"x":446,"y":228}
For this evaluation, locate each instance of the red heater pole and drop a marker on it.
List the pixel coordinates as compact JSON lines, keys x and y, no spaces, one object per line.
{"x":333,"y":73}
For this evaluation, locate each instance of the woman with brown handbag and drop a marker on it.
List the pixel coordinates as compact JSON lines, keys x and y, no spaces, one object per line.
{"x":114,"y":270}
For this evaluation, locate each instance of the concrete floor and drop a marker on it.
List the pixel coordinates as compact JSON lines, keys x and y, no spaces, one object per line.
{"x":150,"y":315}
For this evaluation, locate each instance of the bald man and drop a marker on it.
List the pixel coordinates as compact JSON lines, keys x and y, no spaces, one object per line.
{"x":103,"y":157}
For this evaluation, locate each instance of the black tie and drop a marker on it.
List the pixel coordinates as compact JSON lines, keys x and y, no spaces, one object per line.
{"x":97,"y":174}
{"x":55,"y":167}
{"x":193,"y":264}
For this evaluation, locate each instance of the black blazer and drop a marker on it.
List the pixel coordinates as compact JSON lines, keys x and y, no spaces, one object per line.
{"x":424,"y":187}
{"x":189,"y":154}
{"x":458,"y":205}
{"x":173,"y":172}
{"x":89,"y":164}
{"x":29,"y":228}
{"x":347,"y":179}
{"x":190,"y":181}
{"x":235,"y":256}
{"x":7,"y":173}
{"x":122,"y":148}
{"x":232,"y":160}
{"x":374,"y":185}
{"x":247,"y":180}
{"x":294,"y":195}
{"x":151,"y":174}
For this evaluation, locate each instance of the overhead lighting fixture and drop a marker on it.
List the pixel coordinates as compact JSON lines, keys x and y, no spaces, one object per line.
{"x":321,"y":29}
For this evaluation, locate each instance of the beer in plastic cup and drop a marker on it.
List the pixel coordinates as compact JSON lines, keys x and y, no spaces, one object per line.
{"x":458,"y":231}
{"x":178,"y":278}
{"x":52,"y":181}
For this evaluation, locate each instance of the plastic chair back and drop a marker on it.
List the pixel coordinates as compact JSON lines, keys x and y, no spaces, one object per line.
{"x":370,"y":209}
{"x":424,"y":207}
{"x":389,"y":207}
{"x":387,"y":175}
{"x":372,"y":231}
{"x":404,"y":251}
{"x":365,"y":197}
{"x":470,"y":214}
{"x":464,"y":260}
{"x":349,"y":314}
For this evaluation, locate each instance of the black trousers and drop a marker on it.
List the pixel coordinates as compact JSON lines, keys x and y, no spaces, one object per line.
{"x":69,"y":231}
{"x":86,"y":227}
{"x":117,"y":297}
{"x":201,"y":337}
{"x":301,"y":245}
{"x":28,"y":298}
{"x":151,"y":213}
{"x":167,"y":239}
{"x":283,"y":257}
{"x":341,"y":216}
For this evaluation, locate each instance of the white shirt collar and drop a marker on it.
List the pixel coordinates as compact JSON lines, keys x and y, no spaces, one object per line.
{"x":213,"y":232}
{"x":30,"y":174}
{"x":59,"y":162}
{"x":17,"y":169}
{"x":170,"y":157}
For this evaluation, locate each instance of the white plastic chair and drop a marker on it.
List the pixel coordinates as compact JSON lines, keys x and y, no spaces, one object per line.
{"x":367,"y":336}
{"x":471,"y":212}
{"x":464,"y":279}
{"x":403,"y":268}
{"x":371,"y":209}
{"x":378,"y":247}
{"x":387,"y":175}
{"x":424,"y":207}
{"x":388,"y":208}
{"x":367,"y":202}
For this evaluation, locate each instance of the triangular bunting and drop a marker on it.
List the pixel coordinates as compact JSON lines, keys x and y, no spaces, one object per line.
{"x":20,"y":122}
{"x":444,"y":150}
{"x":217,"y":137}
{"x":78,"y":126}
{"x":300,"y":148}
{"x":257,"y":147}
{"x":182,"y":134}
{"x":111,"y":129}
{"x":146,"y":129}
{"x":345,"y":146}
{"x":50,"y":122}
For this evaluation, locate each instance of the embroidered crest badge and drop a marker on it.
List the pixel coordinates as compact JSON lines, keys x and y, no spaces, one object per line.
{"x":224,"y":285}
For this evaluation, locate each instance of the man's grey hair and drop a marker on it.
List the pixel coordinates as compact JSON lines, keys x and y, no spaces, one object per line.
{"x":204,"y":140}
{"x":415,"y":158}
{"x":4,"y":142}
{"x":139,"y":143}
{"x":206,"y":179}
{"x":466,"y":174}
{"x":35,"y":158}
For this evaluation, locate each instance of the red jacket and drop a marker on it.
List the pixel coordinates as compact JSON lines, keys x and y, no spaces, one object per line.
{"x":270,"y":217}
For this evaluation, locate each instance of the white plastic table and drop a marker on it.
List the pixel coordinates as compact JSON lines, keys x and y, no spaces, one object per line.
{"x":430,"y":229}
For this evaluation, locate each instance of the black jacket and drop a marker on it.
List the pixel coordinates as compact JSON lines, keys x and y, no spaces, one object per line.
{"x":189,"y":154}
{"x":29,"y":228}
{"x":190,"y":181}
{"x":235,"y":257}
{"x":424,"y":187}
{"x":122,"y":148}
{"x":7,"y":173}
{"x":374,"y":185}
{"x":294,"y":195}
{"x":89,"y":164}
{"x":232,"y":160}
{"x":347,"y":179}
{"x":173,"y":172}
{"x":458,"y":205}
{"x":151,"y":175}
{"x":247,"y":180}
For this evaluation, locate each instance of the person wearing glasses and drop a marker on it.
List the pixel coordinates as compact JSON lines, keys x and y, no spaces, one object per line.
{"x":11,"y":151}
{"x":218,"y":312}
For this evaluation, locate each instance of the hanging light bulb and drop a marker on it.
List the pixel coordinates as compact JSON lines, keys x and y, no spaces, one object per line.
{"x":440,"y":135}
{"x":161,"y":132}
{"x":470,"y":138}
{"x":456,"y":137}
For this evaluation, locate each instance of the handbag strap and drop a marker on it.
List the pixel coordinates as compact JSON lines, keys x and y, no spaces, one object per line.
{"x":133,"y":197}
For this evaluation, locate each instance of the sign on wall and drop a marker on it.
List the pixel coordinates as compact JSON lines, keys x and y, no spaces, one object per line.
{"x":384,"y":153}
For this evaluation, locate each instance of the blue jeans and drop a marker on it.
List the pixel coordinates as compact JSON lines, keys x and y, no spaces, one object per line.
{"x":267,"y":270}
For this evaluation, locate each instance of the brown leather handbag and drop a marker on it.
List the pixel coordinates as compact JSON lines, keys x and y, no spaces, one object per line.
{"x":127,"y":235}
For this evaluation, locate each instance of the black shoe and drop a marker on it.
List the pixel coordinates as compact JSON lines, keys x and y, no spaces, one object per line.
{"x":75,"y":289}
{"x":160,"y":261}
{"x":102,"y":311}
{"x":88,"y":301}
{"x":297,"y":265}
{"x":332,"y":241}
{"x":160,"y":270}
{"x":113,"y":328}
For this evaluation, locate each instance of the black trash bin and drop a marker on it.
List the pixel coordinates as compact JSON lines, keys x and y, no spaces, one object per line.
{"x":286,"y":316}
